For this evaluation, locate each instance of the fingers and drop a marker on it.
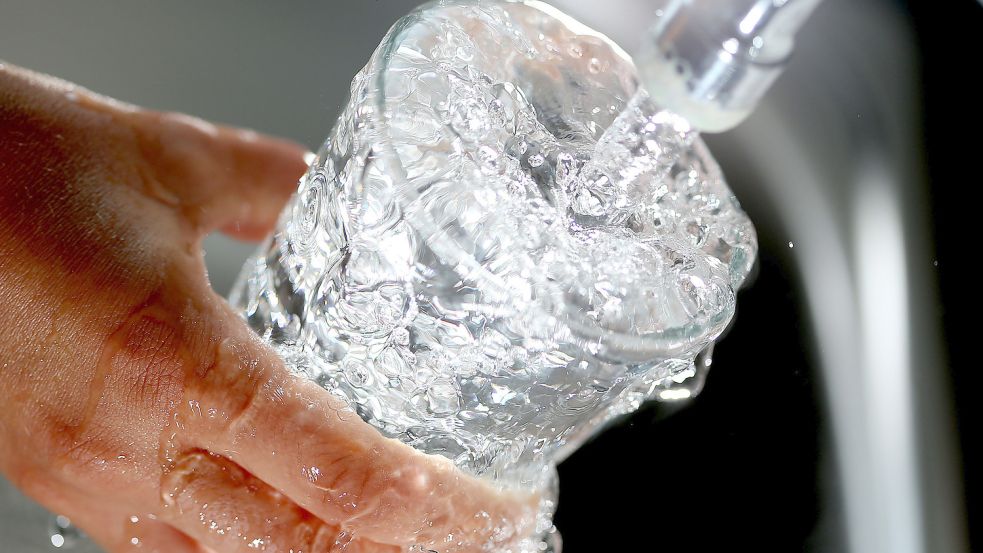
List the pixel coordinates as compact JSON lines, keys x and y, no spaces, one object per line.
{"x":306,"y":443}
{"x":219,"y":177}
{"x":231,"y":511}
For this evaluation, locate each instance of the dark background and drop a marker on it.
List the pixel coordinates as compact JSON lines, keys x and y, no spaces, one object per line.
{"x":732,"y":471}
{"x":951,"y":110}
{"x":750,"y":463}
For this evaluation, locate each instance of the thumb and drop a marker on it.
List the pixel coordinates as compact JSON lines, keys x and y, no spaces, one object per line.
{"x":221,"y":177}
{"x":214,"y":177}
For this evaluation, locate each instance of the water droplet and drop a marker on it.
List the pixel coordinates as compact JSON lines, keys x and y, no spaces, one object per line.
{"x":687,"y":384}
{"x":62,"y":533}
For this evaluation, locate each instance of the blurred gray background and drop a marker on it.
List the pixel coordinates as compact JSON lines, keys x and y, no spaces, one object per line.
{"x":844,"y":116}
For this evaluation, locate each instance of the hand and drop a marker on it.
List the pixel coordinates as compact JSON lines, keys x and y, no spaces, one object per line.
{"x":135,"y":401}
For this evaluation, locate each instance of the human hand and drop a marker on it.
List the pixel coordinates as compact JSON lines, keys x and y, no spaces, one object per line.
{"x":136,"y":401}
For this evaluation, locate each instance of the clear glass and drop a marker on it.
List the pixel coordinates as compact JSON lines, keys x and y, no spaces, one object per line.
{"x":502,"y":244}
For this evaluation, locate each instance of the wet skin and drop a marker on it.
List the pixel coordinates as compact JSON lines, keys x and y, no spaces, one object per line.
{"x":135,"y":401}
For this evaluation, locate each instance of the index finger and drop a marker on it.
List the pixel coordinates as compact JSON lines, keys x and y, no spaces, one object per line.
{"x":311,"y":446}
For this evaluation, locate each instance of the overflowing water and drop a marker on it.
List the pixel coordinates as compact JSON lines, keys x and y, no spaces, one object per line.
{"x":502,"y":244}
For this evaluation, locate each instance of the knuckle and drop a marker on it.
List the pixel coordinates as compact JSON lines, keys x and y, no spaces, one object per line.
{"x":236,"y":381}
{"x":178,"y":484}
{"x":361,"y":489}
{"x":343,"y":484}
{"x":338,"y":480}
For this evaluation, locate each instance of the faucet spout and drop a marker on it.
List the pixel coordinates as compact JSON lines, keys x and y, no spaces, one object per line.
{"x":711,"y":61}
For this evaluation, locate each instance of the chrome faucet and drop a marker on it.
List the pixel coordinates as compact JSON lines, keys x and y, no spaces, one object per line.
{"x":711,"y":61}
